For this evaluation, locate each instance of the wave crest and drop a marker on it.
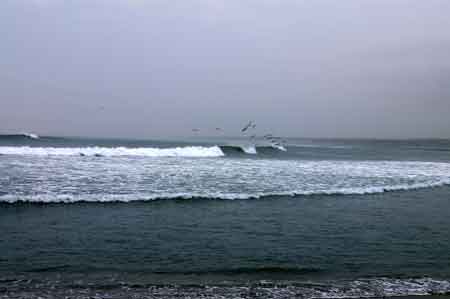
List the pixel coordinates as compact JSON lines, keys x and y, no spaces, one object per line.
{"x":19,"y":136}
{"x":252,"y":149}
{"x":31,"y":135}
{"x":188,"y":151}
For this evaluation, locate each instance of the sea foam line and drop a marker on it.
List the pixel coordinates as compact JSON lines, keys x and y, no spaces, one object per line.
{"x":188,"y":151}
{"x":361,"y":288}
{"x":105,"y":198}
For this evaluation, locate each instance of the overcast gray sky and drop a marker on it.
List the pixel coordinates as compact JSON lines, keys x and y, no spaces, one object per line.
{"x":141,"y":68}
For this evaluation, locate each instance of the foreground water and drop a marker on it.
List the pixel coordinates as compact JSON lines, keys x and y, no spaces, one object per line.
{"x":159,"y":219}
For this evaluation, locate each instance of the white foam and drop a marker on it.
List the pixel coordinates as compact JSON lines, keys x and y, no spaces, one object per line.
{"x":249,"y":149}
{"x":189,"y":151}
{"x":31,"y":135}
{"x":385,"y":287}
{"x":56,"y":179}
{"x":279,"y":147}
{"x":362,"y":288}
{"x":69,"y":198}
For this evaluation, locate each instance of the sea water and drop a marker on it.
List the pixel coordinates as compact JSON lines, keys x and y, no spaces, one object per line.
{"x":223,"y":218}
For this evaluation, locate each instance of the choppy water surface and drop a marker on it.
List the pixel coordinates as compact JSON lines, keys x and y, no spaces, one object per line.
{"x":326,"y":218}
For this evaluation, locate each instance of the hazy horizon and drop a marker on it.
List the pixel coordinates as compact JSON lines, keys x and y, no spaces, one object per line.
{"x":225,"y":137}
{"x":152,"y":69}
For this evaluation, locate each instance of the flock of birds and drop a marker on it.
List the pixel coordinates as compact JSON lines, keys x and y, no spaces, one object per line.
{"x":274,"y":141}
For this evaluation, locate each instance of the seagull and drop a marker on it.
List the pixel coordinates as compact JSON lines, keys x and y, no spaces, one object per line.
{"x":250,"y":123}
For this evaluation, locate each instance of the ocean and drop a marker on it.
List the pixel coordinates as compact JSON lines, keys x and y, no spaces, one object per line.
{"x":223,"y":218}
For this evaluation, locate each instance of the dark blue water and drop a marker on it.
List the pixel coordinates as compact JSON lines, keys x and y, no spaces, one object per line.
{"x":327,"y":218}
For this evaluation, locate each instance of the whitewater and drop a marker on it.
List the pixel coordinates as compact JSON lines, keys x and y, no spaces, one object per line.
{"x":124,"y":175}
{"x":189,"y":151}
{"x":114,"y":218}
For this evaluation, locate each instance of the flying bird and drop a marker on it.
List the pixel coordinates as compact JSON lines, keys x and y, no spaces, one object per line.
{"x":247,"y":126}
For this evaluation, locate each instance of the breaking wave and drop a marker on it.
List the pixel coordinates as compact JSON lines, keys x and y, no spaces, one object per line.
{"x":188,"y":151}
{"x":31,"y":135}
{"x":251,"y":149}
{"x":19,"y":136}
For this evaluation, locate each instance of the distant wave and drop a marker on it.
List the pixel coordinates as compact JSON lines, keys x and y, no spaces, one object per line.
{"x":19,"y":136}
{"x":188,"y":151}
{"x":105,"y":198}
{"x":31,"y":135}
{"x":246,"y":149}
{"x":251,"y":149}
